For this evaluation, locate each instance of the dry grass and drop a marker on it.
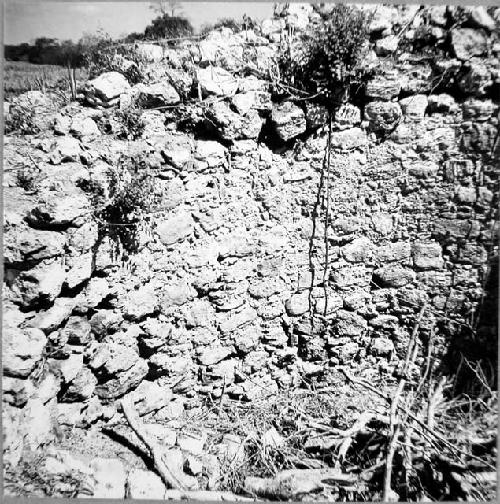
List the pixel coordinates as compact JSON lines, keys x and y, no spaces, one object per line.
{"x":29,"y":479}
{"x":21,"y":76}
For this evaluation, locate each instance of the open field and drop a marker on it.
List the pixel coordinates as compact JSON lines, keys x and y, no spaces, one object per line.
{"x":21,"y":76}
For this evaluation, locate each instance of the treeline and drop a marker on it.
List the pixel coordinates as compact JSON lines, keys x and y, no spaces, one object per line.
{"x":51,"y":51}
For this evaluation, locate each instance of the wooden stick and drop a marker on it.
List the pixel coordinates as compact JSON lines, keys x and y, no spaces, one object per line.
{"x":166,"y":473}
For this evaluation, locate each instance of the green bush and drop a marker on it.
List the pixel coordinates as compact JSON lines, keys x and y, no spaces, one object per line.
{"x":326,"y":59}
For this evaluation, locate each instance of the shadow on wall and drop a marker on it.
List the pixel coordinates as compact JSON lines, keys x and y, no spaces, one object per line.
{"x":475,"y":349}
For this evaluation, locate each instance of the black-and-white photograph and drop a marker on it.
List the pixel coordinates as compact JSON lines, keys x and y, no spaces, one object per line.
{"x":250,"y":251}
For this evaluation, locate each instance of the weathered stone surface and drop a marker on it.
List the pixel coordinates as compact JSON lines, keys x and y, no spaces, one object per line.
{"x":149,"y":52}
{"x":359,"y":250}
{"x":349,"y":324}
{"x":478,"y":110}
{"x":107,"y":87}
{"x":288,"y":121}
{"x":383,"y":115}
{"x":230,"y":323}
{"x":216,"y":81}
{"x":427,"y":256}
{"x":176,"y":228}
{"x":22,"y":349}
{"x":110,"y":478}
{"x":24,"y":246}
{"x":394,"y":276}
{"x":81,"y":387}
{"x":467,"y":42}
{"x":414,"y":107}
{"x":232,"y":126}
{"x":441,"y":103}
{"x":352,"y":138}
{"x":475,"y":78}
{"x":213,"y":355}
{"x":156,"y":95}
{"x":118,"y":369}
{"x":59,"y":209}
{"x":42,"y":107}
{"x":382,"y":347}
{"x":480,"y":17}
{"x":38,"y":424}
{"x":386,"y":45}
{"x":298,"y":304}
{"x":42,"y":283}
{"x":149,"y":397}
{"x":84,"y":126}
{"x":385,"y":87}
{"x":144,"y":484}
{"x":140,"y":303}
{"x":55,"y":316}
{"x":397,"y":251}
{"x":65,"y":149}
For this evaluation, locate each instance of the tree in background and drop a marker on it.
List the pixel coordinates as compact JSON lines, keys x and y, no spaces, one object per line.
{"x":171,"y":7}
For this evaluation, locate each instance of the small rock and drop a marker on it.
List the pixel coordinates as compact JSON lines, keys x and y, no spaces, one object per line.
{"x":468,"y":42}
{"x":386,"y":45}
{"x":383,"y":115}
{"x":192,"y":443}
{"x":176,"y":228}
{"x":414,"y":107}
{"x":394,"y":276}
{"x":427,"y":256}
{"x":288,"y":121}
{"x":213,"y":355}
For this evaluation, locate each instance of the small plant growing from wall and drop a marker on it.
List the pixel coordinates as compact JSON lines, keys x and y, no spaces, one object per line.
{"x":326,"y":60}
{"x":122,"y":207}
{"x":323,"y":64}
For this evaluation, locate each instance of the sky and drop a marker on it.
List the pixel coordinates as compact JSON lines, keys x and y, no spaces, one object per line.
{"x":27,"y":20}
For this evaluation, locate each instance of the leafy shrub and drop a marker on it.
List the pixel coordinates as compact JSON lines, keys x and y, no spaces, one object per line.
{"x":28,"y":178}
{"x":167,"y":26}
{"x":327,"y":58}
{"x":131,"y":195}
{"x":131,"y":125}
{"x":100,"y":54}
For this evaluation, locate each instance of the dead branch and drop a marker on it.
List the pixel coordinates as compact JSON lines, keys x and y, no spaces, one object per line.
{"x":166,"y":473}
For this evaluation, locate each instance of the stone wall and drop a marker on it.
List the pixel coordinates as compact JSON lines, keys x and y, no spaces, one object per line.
{"x":220,"y":296}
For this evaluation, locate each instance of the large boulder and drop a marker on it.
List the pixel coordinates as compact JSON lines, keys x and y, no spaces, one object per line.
{"x":106,"y":89}
{"x":232,"y":126}
{"x":26,"y":247}
{"x":156,"y":95}
{"x":288,"y":120}
{"x":118,"y":369}
{"x":216,"y":81}
{"x":43,"y":283}
{"x":59,"y":209}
